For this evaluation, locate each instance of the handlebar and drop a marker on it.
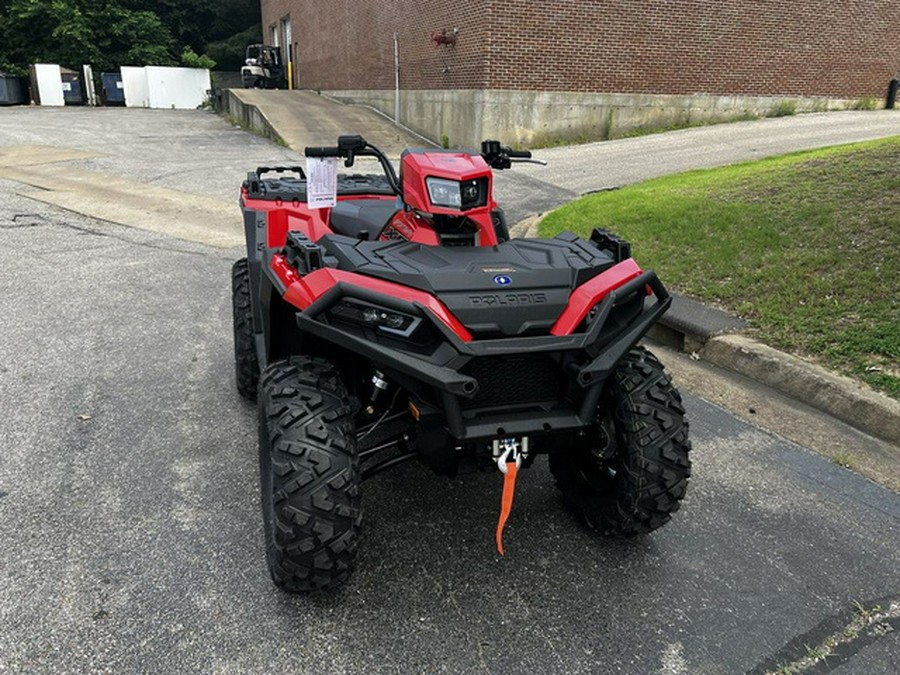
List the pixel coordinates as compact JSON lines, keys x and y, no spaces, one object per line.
{"x":516,"y":160}
{"x":351,"y":147}
{"x":502,"y":156}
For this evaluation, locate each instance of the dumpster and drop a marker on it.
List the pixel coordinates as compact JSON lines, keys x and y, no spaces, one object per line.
{"x":73,"y":92}
{"x":13,"y":90}
{"x":113,"y":91}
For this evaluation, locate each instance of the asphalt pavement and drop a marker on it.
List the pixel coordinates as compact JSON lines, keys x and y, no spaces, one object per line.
{"x":611,"y":164}
{"x":129,"y":509}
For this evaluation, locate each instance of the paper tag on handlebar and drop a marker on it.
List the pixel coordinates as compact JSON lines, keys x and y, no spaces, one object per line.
{"x":321,"y":182}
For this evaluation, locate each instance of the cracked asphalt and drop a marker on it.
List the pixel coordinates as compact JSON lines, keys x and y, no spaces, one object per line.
{"x":130,"y":535}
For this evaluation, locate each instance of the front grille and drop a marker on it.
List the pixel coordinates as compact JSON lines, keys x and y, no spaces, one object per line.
{"x":513,"y":380}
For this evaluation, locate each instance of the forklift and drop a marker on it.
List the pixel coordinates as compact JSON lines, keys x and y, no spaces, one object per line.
{"x":263,"y":68}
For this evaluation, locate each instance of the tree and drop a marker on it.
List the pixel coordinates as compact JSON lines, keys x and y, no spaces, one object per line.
{"x":55,"y":32}
{"x":111,"y":33}
{"x":233,"y":17}
{"x":132,"y":38}
{"x":186,"y":20}
{"x":229,"y":53}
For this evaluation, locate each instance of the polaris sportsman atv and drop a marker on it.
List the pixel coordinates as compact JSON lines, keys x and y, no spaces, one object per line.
{"x":404,"y":323}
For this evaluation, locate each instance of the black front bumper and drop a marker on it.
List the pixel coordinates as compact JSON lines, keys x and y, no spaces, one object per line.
{"x":472,"y":406}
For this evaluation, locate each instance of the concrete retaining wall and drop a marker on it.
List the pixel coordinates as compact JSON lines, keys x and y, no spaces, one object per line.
{"x":536,"y":119}
{"x":245,"y":114}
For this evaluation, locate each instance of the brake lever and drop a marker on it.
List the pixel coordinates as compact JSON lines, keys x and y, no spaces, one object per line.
{"x":528,"y":161}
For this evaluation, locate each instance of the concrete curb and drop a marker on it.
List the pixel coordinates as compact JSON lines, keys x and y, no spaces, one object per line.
{"x":710,"y":333}
{"x":840,"y":397}
{"x":527,"y":227}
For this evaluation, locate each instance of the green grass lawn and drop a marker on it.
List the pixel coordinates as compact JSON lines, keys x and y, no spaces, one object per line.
{"x":806,"y":247}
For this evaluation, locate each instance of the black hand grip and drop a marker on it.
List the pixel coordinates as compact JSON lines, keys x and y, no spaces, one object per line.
{"x":519,"y":154}
{"x":322,"y":152}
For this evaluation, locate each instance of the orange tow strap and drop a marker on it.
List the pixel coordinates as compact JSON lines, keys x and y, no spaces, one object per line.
{"x":509,"y":488}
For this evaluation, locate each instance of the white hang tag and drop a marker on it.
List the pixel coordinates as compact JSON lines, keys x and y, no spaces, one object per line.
{"x":321,"y":182}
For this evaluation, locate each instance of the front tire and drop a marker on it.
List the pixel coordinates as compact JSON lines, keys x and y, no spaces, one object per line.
{"x":309,"y":475}
{"x":627,"y":475}
{"x":246,"y":364}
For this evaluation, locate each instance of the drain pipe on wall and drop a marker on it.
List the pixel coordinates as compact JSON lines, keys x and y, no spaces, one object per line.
{"x":396,"y":80}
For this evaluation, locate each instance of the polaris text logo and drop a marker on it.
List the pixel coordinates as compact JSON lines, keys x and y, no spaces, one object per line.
{"x":507,"y":299}
{"x":502,"y":280}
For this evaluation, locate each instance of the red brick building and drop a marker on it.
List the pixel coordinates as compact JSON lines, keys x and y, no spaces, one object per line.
{"x":667,"y":57}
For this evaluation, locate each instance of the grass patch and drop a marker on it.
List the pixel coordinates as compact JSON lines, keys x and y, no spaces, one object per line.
{"x":605,"y":131}
{"x":676,"y":126}
{"x":564,"y":137}
{"x":805,"y":247}
{"x":846,"y":460}
{"x":784,"y":108}
{"x":866,"y":103}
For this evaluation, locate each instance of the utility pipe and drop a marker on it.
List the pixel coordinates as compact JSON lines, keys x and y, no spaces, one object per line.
{"x":396,"y":80}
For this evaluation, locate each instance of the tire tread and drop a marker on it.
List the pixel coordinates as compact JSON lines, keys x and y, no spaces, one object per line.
{"x":308,"y":440}
{"x":246,"y":364}
{"x":655,"y":467}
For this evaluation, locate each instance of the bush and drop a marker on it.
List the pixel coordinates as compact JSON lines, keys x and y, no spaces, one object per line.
{"x":190,"y":59}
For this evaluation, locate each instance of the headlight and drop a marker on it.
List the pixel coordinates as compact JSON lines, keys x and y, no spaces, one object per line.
{"x":455,"y":195}
{"x":388,"y":320}
{"x":444,"y":192}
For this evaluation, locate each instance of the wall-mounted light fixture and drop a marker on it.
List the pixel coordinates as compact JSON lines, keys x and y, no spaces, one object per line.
{"x":444,"y":37}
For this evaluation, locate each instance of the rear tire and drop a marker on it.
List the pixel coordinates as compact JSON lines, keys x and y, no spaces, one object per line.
{"x":246,"y":364}
{"x":309,"y":475}
{"x":628,"y":474}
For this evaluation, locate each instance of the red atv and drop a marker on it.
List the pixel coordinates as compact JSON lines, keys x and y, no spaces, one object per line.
{"x":404,"y":323}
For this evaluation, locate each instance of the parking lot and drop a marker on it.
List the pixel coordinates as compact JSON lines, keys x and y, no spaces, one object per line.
{"x":129,"y":509}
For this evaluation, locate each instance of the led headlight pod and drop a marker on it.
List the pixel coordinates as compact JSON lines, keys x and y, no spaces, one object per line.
{"x":444,"y":192}
{"x":451,"y":194}
{"x":385,"y":319}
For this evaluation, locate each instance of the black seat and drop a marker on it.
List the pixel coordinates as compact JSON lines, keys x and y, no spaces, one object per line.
{"x":363,"y":218}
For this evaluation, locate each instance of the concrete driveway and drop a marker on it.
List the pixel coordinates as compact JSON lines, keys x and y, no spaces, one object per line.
{"x":129,"y":511}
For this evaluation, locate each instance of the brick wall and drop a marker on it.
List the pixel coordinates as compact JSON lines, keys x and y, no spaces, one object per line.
{"x":841,"y":48}
{"x":835,"y":48}
{"x":347,"y":44}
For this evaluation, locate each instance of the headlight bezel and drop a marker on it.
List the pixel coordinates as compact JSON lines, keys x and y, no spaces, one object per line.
{"x":384,"y":319}
{"x":447,"y":193}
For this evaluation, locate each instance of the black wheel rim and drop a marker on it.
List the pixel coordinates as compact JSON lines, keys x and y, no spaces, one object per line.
{"x":596,"y":452}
